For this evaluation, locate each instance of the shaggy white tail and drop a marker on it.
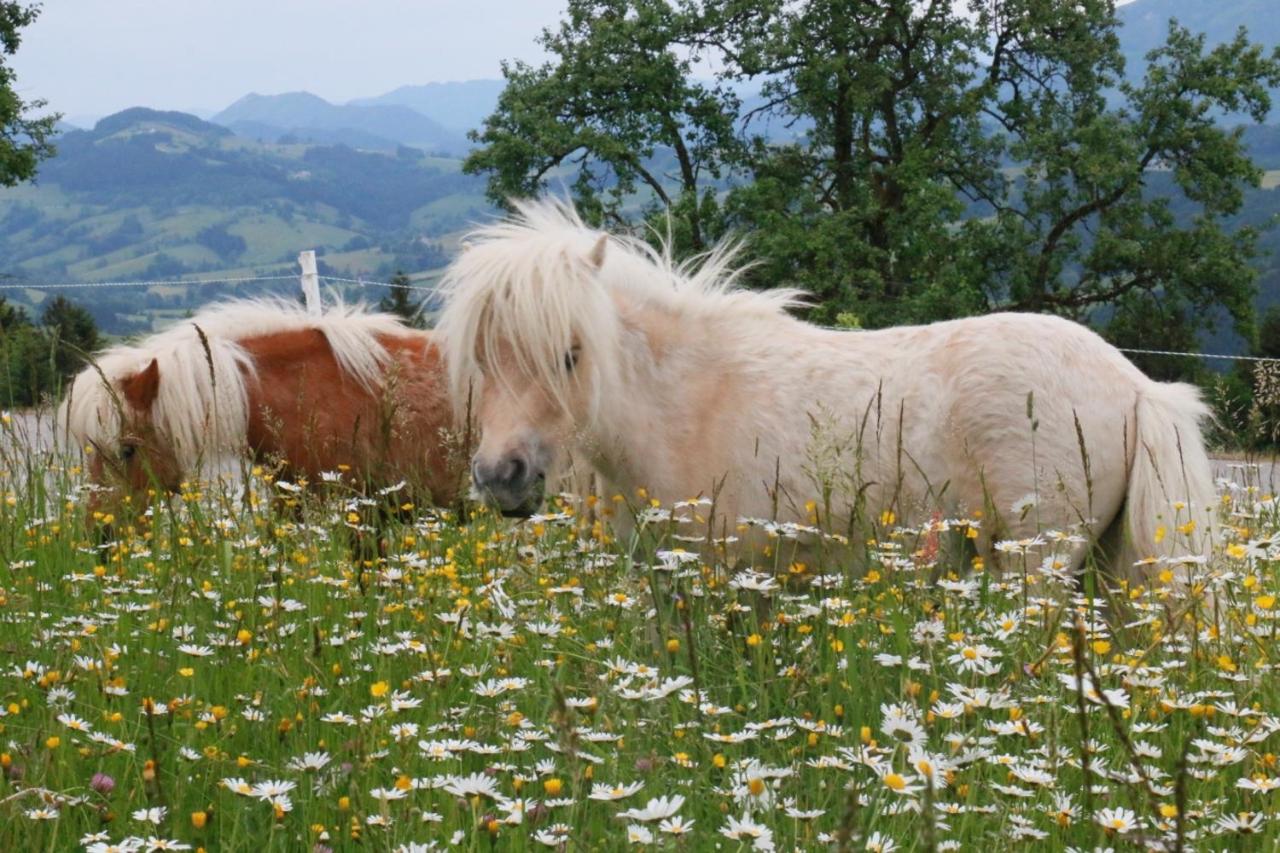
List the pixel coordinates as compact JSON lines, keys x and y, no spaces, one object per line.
{"x":1171,"y":481}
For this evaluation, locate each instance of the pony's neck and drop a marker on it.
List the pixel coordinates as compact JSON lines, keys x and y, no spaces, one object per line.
{"x":670,"y":372}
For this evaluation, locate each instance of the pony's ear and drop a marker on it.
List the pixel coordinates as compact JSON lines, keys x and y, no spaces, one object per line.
{"x":596,"y":256}
{"x":141,"y":388}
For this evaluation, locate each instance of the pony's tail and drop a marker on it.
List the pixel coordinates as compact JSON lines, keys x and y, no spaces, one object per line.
{"x":1169,"y":509}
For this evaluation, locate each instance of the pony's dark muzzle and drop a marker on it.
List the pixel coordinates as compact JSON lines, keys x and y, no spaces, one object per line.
{"x":514,"y":483}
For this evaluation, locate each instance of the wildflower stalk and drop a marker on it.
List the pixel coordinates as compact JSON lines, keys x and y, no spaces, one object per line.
{"x":929,"y":833}
{"x":1035,"y":463}
{"x":1180,"y":797}
{"x":464,"y":513}
{"x":1049,"y":623}
{"x":711,"y":550}
{"x":148,"y":707}
{"x":1077,"y":654}
{"x":1117,"y":724}
{"x":659,"y":630}
{"x":19,"y":795}
{"x":844,"y":835}
{"x":1084,"y":461}
{"x":682,"y":607}
{"x":567,"y":738}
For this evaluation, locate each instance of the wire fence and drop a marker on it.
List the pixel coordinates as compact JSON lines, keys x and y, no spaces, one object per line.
{"x":177,"y":282}
{"x":1208,"y":355}
{"x":369,"y":283}
{"x":180,"y":282}
{"x":365,"y":282}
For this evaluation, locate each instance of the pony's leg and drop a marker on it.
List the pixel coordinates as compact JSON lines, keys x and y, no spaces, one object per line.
{"x":1020,"y":503}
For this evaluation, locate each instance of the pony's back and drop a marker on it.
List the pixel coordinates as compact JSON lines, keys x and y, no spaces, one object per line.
{"x":202,"y":400}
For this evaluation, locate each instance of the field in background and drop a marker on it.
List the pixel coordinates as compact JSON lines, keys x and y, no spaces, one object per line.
{"x":155,"y":196}
{"x":228,"y":675}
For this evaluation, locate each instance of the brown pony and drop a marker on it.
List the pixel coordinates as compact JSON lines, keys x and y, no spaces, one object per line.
{"x":347,"y":394}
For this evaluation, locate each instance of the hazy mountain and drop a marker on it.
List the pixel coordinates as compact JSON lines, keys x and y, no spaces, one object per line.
{"x":351,"y":137}
{"x":459,"y":106}
{"x":298,"y":113}
{"x":79,"y":121}
{"x":144,"y":121}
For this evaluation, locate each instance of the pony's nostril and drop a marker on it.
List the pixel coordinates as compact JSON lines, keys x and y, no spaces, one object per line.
{"x":515,"y":470}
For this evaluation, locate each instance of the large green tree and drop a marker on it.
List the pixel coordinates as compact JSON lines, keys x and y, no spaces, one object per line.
{"x":35,"y":361}
{"x":73,"y":332}
{"x":908,"y":160}
{"x":24,"y":138}
{"x":618,"y":116}
{"x":25,"y":358}
{"x":12,"y":317}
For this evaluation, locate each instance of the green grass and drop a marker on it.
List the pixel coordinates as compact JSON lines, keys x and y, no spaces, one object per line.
{"x":230,"y":637}
{"x":269,"y":237}
{"x":470,"y":206}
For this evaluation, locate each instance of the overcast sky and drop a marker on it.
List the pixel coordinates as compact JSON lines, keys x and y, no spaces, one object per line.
{"x":90,"y":58}
{"x":95,"y":57}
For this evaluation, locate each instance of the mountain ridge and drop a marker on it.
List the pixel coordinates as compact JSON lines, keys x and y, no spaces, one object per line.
{"x":299,"y":112}
{"x":458,"y":105}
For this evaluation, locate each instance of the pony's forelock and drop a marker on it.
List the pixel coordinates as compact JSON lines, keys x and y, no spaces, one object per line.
{"x":524,"y":287}
{"x":526,"y":284}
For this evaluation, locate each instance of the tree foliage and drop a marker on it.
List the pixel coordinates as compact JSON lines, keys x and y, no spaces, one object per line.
{"x":1269,"y":334}
{"x":36,"y":360}
{"x":24,"y":358}
{"x":907,"y":161}
{"x":73,"y":334}
{"x":12,"y":317}
{"x":618,"y":112}
{"x":25,"y":140}
{"x":1247,"y":398}
{"x":399,"y":301}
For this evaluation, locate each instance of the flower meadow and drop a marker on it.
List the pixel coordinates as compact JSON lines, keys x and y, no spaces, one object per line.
{"x":258,"y":665}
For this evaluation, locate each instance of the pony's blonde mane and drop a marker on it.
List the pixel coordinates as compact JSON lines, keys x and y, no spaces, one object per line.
{"x":202,"y":407}
{"x":529,"y":283}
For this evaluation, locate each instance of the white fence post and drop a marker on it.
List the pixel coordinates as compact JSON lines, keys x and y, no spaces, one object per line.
{"x":310,"y":281}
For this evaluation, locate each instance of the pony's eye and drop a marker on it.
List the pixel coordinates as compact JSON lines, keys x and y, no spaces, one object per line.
{"x":127,"y":451}
{"x":571,"y":358}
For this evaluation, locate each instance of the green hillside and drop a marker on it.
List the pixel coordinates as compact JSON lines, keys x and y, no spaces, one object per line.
{"x":159,"y":195}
